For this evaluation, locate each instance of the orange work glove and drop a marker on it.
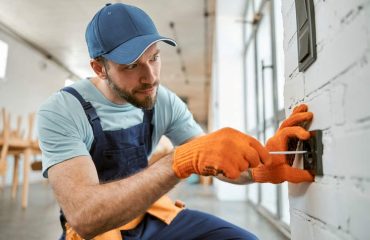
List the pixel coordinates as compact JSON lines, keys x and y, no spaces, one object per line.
{"x":288,"y":134}
{"x":280,"y":173}
{"x":285,"y":139}
{"x":226,"y":151}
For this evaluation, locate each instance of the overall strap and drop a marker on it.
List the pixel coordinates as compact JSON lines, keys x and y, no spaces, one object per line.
{"x":148,"y":116}
{"x":90,"y":111}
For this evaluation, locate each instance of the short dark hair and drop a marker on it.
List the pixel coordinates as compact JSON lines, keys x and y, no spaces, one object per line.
{"x":103,"y":61}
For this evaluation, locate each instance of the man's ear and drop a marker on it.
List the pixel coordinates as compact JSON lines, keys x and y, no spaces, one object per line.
{"x":98,"y":68}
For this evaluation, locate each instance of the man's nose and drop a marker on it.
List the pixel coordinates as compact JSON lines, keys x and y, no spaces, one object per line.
{"x":149,"y":74}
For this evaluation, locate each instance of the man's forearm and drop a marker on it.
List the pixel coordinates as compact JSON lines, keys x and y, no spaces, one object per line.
{"x":102,"y":207}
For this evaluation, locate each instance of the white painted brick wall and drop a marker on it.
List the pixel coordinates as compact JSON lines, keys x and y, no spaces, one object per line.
{"x":337,"y":89}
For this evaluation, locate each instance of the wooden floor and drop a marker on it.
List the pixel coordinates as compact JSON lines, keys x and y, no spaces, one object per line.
{"x":40,"y":220}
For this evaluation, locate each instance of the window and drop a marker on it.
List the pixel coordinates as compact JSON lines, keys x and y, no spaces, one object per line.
{"x":279,"y":52}
{"x":264,"y":73}
{"x":251,"y":90}
{"x":3,"y":58}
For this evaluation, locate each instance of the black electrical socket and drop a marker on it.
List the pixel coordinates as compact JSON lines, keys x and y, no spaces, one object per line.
{"x":312,"y":159}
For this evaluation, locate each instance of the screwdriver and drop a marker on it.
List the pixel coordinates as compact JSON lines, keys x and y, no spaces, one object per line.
{"x":287,"y":152}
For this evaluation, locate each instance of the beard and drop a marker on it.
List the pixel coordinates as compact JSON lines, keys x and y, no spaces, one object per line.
{"x":146,"y":103}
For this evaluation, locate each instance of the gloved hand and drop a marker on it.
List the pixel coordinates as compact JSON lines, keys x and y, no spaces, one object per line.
{"x":226,"y":151}
{"x":288,"y":134}
{"x":280,"y":173}
{"x":280,"y":169}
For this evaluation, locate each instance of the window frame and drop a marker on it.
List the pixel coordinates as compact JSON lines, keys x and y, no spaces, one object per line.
{"x":262,"y":125}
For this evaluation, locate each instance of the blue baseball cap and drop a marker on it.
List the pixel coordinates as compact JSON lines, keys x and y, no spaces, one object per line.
{"x":121,"y":33}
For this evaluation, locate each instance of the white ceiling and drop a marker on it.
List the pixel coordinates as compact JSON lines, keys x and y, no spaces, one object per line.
{"x":58,"y":27}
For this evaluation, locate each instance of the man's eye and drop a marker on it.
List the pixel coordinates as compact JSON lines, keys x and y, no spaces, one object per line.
{"x":155,"y":58}
{"x":131,"y":66}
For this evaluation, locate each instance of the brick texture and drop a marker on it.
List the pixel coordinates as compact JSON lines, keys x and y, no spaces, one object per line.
{"x":337,"y":89}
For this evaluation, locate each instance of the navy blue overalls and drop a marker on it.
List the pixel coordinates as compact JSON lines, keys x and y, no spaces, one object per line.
{"x":118,"y":154}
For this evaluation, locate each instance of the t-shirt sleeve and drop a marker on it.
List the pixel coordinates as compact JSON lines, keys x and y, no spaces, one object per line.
{"x":60,"y":138}
{"x":182,"y":125}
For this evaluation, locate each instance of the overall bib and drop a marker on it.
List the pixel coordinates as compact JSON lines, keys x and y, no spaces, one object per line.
{"x":121,"y":153}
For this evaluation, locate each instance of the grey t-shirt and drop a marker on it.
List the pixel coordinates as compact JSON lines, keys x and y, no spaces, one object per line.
{"x":65,"y":132}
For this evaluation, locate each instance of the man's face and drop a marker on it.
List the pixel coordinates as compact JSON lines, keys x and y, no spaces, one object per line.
{"x":136,"y":83}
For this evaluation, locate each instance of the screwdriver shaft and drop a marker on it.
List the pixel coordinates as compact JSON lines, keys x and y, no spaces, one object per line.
{"x":286,"y":152}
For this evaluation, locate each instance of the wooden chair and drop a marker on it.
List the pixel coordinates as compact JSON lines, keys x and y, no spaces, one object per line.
{"x":4,"y":145}
{"x":13,"y":144}
{"x":28,"y":147}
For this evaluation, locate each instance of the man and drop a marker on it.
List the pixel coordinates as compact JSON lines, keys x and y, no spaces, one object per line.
{"x":96,"y":136}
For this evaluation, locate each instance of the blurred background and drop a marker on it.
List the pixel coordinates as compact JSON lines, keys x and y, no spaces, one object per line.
{"x":238,"y":63}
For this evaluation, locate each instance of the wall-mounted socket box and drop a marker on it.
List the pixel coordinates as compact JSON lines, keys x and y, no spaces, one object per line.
{"x":312,"y":160}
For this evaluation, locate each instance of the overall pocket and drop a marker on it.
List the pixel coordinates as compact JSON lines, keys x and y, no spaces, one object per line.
{"x":120,"y":163}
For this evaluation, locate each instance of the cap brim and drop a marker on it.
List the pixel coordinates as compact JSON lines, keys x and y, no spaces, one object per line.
{"x":130,"y":51}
